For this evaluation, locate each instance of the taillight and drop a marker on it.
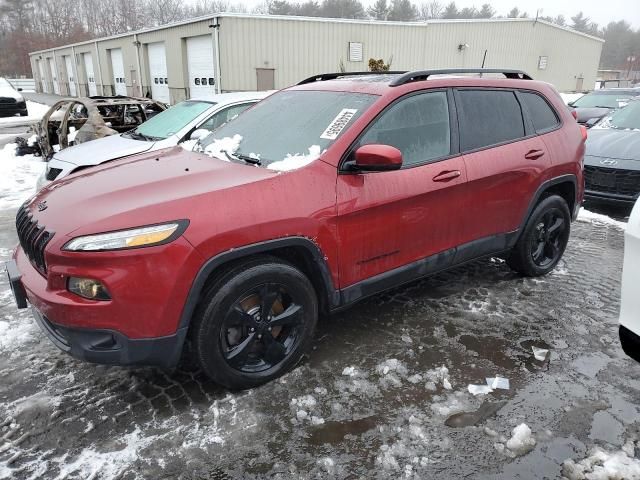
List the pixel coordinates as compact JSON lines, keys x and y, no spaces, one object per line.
{"x":575,"y":114}
{"x":583,"y":131}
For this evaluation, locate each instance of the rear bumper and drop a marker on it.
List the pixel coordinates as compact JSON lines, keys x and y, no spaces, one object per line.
{"x":630,"y":343}
{"x":109,"y":347}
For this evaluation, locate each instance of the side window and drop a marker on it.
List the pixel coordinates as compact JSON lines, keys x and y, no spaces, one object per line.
{"x":488,"y":117}
{"x":418,"y":126}
{"x":223,"y":116}
{"x":542,"y":115}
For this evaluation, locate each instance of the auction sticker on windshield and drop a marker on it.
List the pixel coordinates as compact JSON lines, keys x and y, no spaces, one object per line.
{"x":337,"y":124}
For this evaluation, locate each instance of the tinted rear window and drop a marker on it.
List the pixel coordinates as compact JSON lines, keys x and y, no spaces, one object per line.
{"x":542,"y":115}
{"x":488,"y":117}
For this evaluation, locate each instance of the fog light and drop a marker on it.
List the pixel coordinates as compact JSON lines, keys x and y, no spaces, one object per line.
{"x":88,"y":288}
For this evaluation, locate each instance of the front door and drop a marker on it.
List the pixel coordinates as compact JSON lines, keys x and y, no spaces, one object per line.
{"x":393,"y":219}
{"x":265,"y":79}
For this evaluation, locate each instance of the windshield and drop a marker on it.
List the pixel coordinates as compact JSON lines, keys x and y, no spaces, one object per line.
{"x":172,"y":120}
{"x":592,"y":100}
{"x":287,"y":130}
{"x":628,"y":118}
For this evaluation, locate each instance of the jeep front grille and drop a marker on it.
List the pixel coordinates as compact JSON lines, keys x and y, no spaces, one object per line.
{"x":33,"y":238}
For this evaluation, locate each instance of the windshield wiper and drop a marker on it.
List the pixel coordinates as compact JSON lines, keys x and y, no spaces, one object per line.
{"x":239,"y":156}
{"x":134,"y":134}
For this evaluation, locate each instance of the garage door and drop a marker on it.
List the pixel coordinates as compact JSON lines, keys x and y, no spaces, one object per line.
{"x":54,"y":77}
{"x":71,"y":82}
{"x":117,"y":66}
{"x":200,"y":63}
{"x":158,"y":72}
{"x":91,"y":79}
{"x":43,"y":79}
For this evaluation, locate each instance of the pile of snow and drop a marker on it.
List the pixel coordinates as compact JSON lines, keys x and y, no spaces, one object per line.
{"x":391,"y":372}
{"x":522,"y":441}
{"x":18,"y":176}
{"x":292,"y":162}
{"x":304,"y":407}
{"x":591,"y":217}
{"x":219,"y":146}
{"x":437,"y":376}
{"x":604,"y":465}
{"x":36,"y":112}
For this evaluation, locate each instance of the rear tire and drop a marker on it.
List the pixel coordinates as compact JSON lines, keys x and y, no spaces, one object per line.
{"x":234,"y":343}
{"x":544,"y":238}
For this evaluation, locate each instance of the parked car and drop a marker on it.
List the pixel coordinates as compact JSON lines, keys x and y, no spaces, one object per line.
{"x":318,"y":196}
{"x":11,"y":101}
{"x":590,"y":108}
{"x":190,"y":119}
{"x":73,"y":121}
{"x":612,"y":159}
{"x":630,"y":301}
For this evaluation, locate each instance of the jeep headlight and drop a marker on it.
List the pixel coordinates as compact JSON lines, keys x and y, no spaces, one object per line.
{"x":132,"y":238}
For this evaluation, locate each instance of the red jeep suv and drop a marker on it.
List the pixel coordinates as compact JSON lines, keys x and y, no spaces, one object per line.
{"x":322,"y":194}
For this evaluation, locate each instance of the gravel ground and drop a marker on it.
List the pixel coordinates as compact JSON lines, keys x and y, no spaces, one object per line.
{"x":372,"y":399}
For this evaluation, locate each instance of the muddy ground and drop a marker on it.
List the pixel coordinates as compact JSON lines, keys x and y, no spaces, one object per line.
{"x":371,"y":401}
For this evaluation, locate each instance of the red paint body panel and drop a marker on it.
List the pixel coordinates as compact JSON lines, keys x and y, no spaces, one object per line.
{"x":364,"y":224}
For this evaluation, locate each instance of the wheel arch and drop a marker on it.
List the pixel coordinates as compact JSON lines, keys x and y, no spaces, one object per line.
{"x":300,"y":252}
{"x":566,"y":186}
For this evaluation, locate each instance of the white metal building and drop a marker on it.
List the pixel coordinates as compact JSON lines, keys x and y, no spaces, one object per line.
{"x":230,"y":52}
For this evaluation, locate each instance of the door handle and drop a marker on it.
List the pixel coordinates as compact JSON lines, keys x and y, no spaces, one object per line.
{"x":533,"y":154}
{"x":447,"y":175}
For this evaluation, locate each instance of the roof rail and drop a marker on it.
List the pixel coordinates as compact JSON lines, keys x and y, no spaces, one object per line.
{"x":332,"y":76}
{"x":419,"y":75}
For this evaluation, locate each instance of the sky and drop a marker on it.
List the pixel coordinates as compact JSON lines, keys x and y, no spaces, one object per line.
{"x":600,"y":11}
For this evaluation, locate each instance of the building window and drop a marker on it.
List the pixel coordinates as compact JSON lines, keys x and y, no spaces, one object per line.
{"x":355,"y":51}
{"x":542,"y":62}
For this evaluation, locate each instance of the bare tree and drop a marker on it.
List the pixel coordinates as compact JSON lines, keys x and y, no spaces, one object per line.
{"x":431,"y":10}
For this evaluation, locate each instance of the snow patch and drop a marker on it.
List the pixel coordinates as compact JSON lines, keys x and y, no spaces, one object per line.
{"x":219,"y":146}
{"x":521,"y":441}
{"x":292,"y":162}
{"x":604,"y":465}
{"x":597,"y":218}
{"x":18,"y":176}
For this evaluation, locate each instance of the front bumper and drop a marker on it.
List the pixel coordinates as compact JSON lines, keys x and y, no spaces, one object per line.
{"x":630,"y":343}
{"x":612,"y":198}
{"x":109,"y":347}
{"x":10,"y":109}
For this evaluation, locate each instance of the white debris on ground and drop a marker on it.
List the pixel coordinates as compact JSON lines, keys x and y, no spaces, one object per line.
{"x":304,"y":408}
{"x":437,"y":376}
{"x":292,"y":162}
{"x":540,"y":354}
{"x":498,"y":383}
{"x":591,"y":217}
{"x":391,"y":372}
{"x":36,"y":112}
{"x":349,"y":371}
{"x":479,"y":389}
{"x":18,"y":176}
{"x":604,"y":465}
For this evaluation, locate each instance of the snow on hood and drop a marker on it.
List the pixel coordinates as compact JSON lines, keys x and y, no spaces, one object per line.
{"x":220,"y":146}
{"x":292,"y":162}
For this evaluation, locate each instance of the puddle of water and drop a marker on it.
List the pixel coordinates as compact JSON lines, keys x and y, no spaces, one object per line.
{"x":334,"y":432}
{"x":491,"y":348}
{"x":467,"y":419}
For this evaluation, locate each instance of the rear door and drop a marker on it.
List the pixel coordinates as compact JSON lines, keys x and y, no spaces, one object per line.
{"x":393,"y":219}
{"x":504,"y":160}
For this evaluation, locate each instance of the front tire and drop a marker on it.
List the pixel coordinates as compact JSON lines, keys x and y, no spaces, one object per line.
{"x":544,"y":238}
{"x":254,"y":323}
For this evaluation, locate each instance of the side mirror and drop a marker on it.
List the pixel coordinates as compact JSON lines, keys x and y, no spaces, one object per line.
{"x":19,"y":89}
{"x":378,"y":158}
{"x":199,"y":133}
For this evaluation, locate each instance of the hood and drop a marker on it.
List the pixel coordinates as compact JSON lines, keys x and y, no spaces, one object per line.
{"x":611,"y":143}
{"x":584,"y":114}
{"x":10,"y":92}
{"x":102,"y":150}
{"x":165,"y":185}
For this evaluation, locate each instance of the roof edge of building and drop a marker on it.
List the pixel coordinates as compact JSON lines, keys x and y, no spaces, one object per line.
{"x":213,"y":16}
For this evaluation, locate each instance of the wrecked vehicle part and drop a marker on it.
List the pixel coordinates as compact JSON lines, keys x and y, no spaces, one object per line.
{"x":88,"y":119}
